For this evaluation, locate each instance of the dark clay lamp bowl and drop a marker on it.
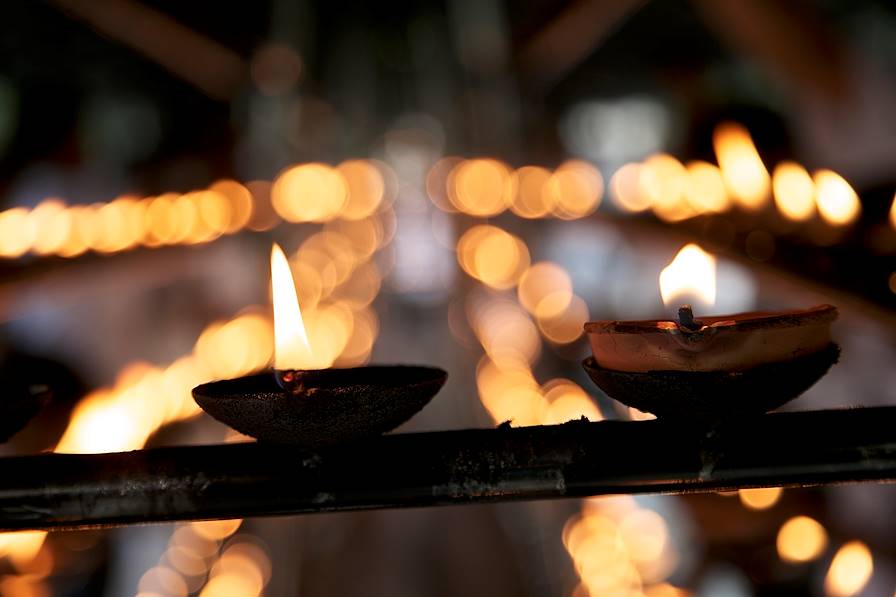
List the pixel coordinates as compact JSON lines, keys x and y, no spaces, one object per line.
{"x":19,"y":405}
{"x":333,"y":406}
{"x":720,"y":368}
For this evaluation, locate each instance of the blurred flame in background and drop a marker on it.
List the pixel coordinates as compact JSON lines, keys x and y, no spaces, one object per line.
{"x":620,"y":548}
{"x":794,"y":191}
{"x":206,"y":557}
{"x":893,"y":213}
{"x":664,"y":181}
{"x":850,"y":570}
{"x":481,"y":187}
{"x":616,"y":545}
{"x":760,"y":498}
{"x":742,"y":168}
{"x":801,"y":539}
{"x":705,"y":188}
{"x":836,"y":201}
{"x":691,"y":275}
{"x":494,"y":257}
{"x":354,"y":190}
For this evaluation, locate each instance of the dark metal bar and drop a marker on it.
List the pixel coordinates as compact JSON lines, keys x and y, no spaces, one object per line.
{"x":450,"y":467}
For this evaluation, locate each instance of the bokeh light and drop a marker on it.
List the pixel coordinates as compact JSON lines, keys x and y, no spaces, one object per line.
{"x":801,"y":539}
{"x":742,"y":169}
{"x":835,"y":199}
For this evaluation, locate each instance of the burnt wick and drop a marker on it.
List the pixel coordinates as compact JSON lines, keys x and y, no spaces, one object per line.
{"x":290,"y":380}
{"x":686,"y":319}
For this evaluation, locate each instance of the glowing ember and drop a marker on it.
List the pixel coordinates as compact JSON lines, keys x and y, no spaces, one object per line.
{"x":691,"y":277}
{"x":291,"y":348}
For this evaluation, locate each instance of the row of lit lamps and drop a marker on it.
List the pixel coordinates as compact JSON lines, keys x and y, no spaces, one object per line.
{"x":353,"y":190}
{"x":673,"y":191}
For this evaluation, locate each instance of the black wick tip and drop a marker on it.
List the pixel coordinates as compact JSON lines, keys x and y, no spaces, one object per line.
{"x":290,"y":380}
{"x":686,"y":318}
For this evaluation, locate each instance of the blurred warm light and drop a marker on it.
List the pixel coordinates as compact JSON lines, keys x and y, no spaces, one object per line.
{"x":365,"y":186}
{"x":705,"y":190}
{"x":239,"y":201}
{"x":364,"y":236}
{"x":692,"y":274}
{"x":619,"y":548}
{"x":82,"y":231}
{"x":186,"y":228}
{"x":291,"y":347}
{"x":481,"y":187}
{"x":23,"y":586}
{"x":15,"y":232}
{"x":21,"y":547}
{"x":309,"y":193}
{"x":492,"y":256}
{"x":437,"y":183}
{"x":50,"y":224}
{"x":215,"y":212}
{"x":509,"y":392}
{"x":215,"y":530}
{"x":794,"y":191}
{"x":566,"y":326}
{"x":850,"y":570}
{"x":532,"y":199}
{"x":836,"y":200}
{"x":567,"y":401}
{"x":160,"y":219}
{"x":231,"y":349}
{"x":893,"y":213}
{"x":625,"y":189}
{"x":505,"y":332}
{"x":760,"y":498}
{"x":359,"y":345}
{"x":146,"y":397}
{"x":801,"y":539}
{"x":644,"y":533}
{"x":664,"y":182}
{"x":242,"y":570}
{"x":545,"y":290}
{"x":162,"y":580}
{"x":329,"y":329}
{"x":574,"y":190}
{"x":742,"y":168}
{"x":664,"y":589}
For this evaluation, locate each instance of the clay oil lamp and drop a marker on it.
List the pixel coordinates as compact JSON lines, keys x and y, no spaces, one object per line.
{"x":709,"y":367}
{"x":292,"y":404}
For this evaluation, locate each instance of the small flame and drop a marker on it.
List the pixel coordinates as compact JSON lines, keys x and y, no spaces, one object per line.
{"x":291,"y":348}
{"x":690,"y":277}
